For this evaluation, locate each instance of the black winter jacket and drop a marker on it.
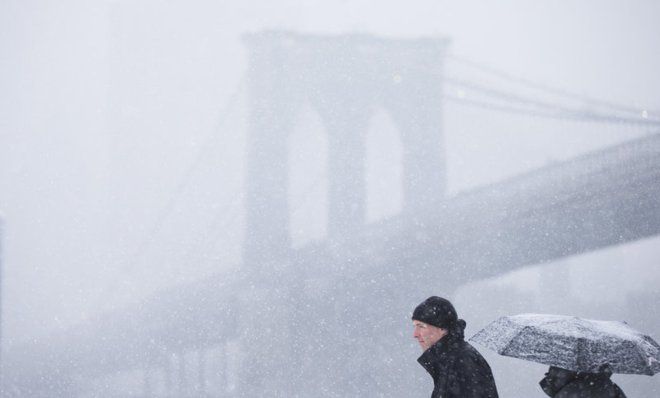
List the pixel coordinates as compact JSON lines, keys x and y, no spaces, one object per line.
{"x":458,"y":370}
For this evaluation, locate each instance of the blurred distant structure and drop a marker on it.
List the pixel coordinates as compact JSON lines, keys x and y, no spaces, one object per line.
{"x":324,"y":319}
{"x":344,"y":79}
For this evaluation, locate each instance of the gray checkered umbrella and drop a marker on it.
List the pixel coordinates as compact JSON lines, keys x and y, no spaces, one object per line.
{"x":572,"y":343}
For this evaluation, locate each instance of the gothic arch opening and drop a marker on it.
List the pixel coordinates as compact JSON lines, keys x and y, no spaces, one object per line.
{"x":307,"y":178}
{"x":383,"y":168}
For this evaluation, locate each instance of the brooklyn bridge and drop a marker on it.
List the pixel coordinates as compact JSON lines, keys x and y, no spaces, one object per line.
{"x":325,"y":318}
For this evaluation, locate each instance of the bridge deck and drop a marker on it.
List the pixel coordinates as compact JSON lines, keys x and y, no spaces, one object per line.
{"x":596,"y":200}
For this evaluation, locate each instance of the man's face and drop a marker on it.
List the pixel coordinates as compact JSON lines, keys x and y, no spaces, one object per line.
{"x":426,"y":334}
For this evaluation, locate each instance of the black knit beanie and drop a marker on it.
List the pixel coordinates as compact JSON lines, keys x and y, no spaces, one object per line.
{"x":436,"y":311}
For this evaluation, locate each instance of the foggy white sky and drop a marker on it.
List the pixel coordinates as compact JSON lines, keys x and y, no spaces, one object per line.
{"x":104,"y":105}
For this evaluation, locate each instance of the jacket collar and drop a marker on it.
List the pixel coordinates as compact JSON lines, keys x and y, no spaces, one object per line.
{"x":434,"y":358}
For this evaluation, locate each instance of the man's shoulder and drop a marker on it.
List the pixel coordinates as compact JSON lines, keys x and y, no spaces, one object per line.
{"x":454,"y":349}
{"x":466,"y":348}
{"x":469,"y":355}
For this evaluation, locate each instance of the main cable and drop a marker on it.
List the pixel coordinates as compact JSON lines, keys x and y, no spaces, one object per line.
{"x":545,"y":88}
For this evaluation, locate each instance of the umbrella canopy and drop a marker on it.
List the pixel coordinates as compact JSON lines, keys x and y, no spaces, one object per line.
{"x":572,"y":343}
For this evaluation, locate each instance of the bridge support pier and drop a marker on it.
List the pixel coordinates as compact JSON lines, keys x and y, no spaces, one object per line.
{"x":167,"y":375}
{"x":344,"y":78}
{"x":146,"y":382}
{"x":201,"y":372}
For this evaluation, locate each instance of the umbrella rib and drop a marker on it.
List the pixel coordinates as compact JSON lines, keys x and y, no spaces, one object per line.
{"x":508,"y":344}
{"x":647,"y":366}
{"x":520,"y":333}
{"x":580,"y":360}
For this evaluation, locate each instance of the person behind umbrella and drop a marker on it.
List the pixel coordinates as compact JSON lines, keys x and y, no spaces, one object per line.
{"x":563,"y":383}
{"x":457,"y":368}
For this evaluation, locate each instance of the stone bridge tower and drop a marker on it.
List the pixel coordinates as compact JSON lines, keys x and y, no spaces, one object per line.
{"x":344,"y":78}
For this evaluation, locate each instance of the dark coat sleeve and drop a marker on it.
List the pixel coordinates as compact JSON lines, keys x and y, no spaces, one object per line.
{"x":470,"y":377}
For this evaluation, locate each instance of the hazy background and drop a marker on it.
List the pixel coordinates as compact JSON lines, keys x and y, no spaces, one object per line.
{"x":122,"y":142}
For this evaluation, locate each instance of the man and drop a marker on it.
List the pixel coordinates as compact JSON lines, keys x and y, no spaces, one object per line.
{"x":457,"y":368}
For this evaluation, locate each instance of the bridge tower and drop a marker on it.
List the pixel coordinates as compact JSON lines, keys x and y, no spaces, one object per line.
{"x":344,"y":78}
